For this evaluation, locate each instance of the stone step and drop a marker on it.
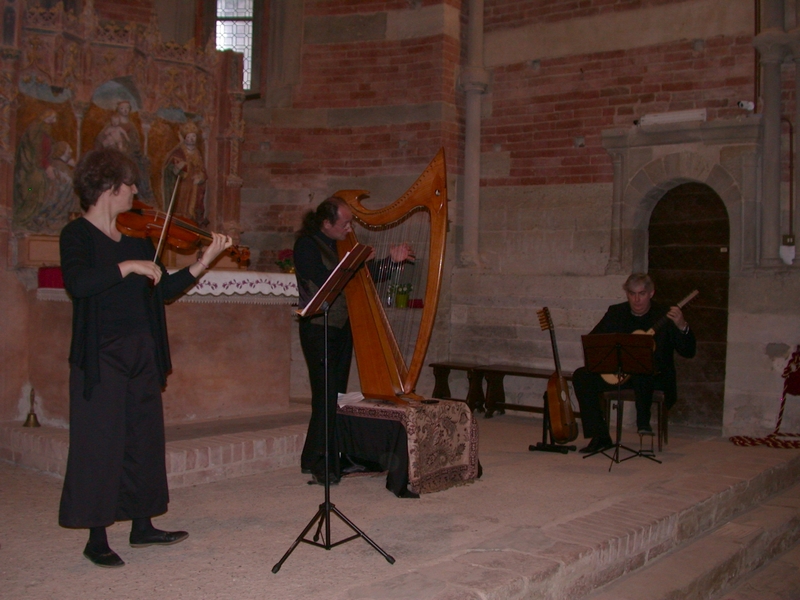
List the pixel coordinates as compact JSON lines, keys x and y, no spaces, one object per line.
{"x":713,"y":562}
{"x":779,"y":579}
{"x":195,"y":453}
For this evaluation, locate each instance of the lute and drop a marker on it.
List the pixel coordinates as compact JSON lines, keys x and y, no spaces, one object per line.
{"x":559,"y":407}
{"x":612,"y":378}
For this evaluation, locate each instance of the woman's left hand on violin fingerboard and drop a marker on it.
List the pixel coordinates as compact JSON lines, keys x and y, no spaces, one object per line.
{"x":219,"y":243}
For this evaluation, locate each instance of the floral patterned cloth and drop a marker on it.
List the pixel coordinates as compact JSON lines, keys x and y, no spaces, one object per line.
{"x":442,"y":440}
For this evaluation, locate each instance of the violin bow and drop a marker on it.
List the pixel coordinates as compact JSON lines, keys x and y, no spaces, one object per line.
{"x":167,"y":219}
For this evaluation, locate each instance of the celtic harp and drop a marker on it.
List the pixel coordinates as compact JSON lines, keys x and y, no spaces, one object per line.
{"x":391,"y":336}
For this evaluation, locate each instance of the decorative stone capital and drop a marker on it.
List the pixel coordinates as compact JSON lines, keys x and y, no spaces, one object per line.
{"x":794,"y":43}
{"x":474,"y":79}
{"x":773,"y":45}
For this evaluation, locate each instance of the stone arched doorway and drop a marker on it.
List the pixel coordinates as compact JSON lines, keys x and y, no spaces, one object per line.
{"x":689,"y":237}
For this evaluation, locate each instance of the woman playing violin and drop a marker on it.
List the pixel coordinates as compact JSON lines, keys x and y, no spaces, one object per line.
{"x":119,"y":360}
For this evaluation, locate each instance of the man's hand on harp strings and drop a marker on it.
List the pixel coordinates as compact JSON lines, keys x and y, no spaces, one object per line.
{"x":402,"y":253}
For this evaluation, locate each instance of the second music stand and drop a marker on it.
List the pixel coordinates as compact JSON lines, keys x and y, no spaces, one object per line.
{"x":619,"y":354}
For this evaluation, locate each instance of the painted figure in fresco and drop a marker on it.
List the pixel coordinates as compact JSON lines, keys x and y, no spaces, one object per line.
{"x":121,"y":133}
{"x":33,"y":171}
{"x":60,"y":199}
{"x":186,"y":162}
{"x":113,"y":135}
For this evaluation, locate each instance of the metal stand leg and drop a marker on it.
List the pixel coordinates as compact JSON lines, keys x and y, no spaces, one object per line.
{"x":323,"y":516}
{"x":649,"y":454}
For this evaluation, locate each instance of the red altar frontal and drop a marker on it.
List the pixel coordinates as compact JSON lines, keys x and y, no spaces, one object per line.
{"x":230,"y":339}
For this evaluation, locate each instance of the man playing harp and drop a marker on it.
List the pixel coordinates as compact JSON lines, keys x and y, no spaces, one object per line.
{"x":315,"y":256}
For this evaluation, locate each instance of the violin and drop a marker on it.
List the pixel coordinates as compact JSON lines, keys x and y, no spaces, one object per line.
{"x":143,"y":221}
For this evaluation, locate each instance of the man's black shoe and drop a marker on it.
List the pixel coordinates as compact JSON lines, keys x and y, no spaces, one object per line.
{"x":646,"y":430}
{"x":157,"y":538}
{"x":103,"y":558}
{"x":598,"y":444}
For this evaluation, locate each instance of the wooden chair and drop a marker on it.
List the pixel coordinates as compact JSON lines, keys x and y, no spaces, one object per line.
{"x":660,"y":411}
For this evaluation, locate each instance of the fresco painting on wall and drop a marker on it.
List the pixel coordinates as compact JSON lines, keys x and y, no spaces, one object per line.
{"x":82,"y":82}
{"x":43,"y":196}
{"x":120,"y":101}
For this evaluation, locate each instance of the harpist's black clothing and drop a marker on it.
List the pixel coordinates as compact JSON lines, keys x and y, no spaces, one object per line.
{"x":315,"y":257}
{"x":119,"y":359}
{"x":620,"y":319}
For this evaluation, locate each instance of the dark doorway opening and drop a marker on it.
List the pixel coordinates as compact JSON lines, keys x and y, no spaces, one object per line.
{"x":689,"y":238}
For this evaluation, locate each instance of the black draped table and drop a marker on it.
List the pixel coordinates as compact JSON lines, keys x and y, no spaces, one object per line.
{"x":424,"y":446}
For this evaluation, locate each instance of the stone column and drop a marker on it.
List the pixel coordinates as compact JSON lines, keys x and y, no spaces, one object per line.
{"x":614,"y":265}
{"x":474,"y":81}
{"x":794,"y":43}
{"x":771,"y":44}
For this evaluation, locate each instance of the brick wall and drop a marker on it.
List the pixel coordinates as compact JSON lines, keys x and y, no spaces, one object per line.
{"x":500,"y":14}
{"x":371,"y":104}
{"x":541,"y":109}
{"x":342,"y":7}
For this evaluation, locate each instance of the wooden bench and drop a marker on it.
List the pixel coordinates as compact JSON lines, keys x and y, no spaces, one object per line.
{"x":495,"y":392}
{"x":441,"y":387}
{"x":495,"y":398}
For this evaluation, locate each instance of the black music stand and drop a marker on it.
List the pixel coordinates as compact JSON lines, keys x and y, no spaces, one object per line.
{"x":619,"y":354}
{"x":321,"y":303}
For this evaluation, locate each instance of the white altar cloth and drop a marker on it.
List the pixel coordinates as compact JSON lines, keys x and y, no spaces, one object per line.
{"x":246,"y":287}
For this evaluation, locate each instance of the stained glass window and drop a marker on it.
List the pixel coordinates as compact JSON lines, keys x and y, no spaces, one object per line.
{"x":235,"y":32}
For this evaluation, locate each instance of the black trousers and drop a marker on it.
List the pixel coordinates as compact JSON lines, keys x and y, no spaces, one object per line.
{"x":116,"y":468}
{"x":340,"y":354}
{"x":588,"y":387}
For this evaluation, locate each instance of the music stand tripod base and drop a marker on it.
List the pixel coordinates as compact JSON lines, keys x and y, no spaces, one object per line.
{"x":641,"y":453}
{"x":649,"y":454}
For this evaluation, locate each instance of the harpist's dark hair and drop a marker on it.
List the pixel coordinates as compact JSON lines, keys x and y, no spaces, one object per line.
{"x":101,"y":170}
{"x":328,"y":210}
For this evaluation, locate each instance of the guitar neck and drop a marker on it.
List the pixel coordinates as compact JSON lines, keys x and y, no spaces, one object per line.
{"x":663,"y":320}
{"x":555,"y":351}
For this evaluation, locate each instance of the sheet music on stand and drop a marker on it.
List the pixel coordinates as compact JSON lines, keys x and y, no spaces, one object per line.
{"x":339,"y":277}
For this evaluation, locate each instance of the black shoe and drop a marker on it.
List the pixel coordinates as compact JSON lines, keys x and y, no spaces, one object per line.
{"x":103,"y":558}
{"x":646,"y":430}
{"x":156,"y":537}
{"x":320,"y":479}
{"x":598,"y":444}
{"x":350,"y":466}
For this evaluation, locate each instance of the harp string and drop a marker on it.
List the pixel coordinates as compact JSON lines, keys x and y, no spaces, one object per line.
{"x":387,"y":276}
